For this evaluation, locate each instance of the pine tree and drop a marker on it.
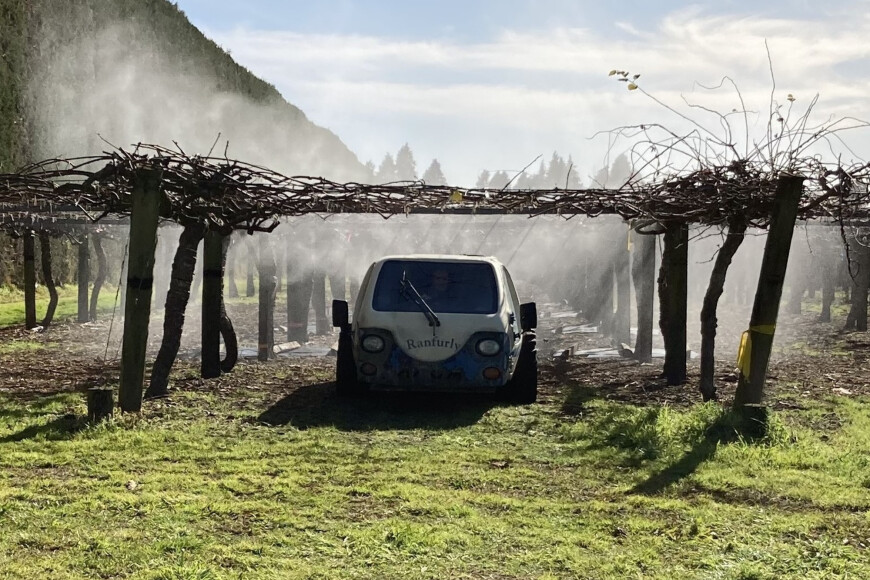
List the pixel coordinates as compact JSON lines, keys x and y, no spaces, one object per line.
{"x":620,"y":171}
{"x":573,"y":178}
{"x":539,"y":179}
{"x":406,"y":167}
{"x":556,"y":172}
{"x":387,"y":170}
{"x":369,"y":171}
{"x":434,"y":175}
{"x":483,"y":179}
{"x":499,"y":180}
{"x":523,"y":181}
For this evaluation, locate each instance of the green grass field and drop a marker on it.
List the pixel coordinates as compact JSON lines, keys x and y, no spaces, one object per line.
{"x":266,"y":474}
{"x":12,"y":304}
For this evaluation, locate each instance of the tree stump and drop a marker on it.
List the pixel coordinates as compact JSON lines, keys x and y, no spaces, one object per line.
{"x":101,"y":403}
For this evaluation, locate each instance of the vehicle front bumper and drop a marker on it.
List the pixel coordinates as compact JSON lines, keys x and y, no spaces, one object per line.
{"x":394,"y":369}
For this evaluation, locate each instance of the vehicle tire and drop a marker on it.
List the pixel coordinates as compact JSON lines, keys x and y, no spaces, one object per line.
{"x":522,"y":389}
{"x":346,"y":382}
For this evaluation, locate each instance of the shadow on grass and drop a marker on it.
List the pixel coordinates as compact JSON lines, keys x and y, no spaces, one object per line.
{"x":60,"y":428}
{"x":637,"y":433}
{"x":318,"y":405}
{"x":729,"y":427}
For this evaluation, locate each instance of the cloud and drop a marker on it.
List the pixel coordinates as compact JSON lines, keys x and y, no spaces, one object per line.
{"x":550,"y":87}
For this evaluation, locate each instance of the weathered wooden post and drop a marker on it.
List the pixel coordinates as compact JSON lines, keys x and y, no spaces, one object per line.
{"x":643,"y":268}
{"x":322,"y":324}
{"x":266,"y":271}
{"x":828,"y":272}
{"x":83,"y":277}
{"x":859,"y":270}
{"x":318,"y":303}
{"x":212,"y":294}
{"x":622,"y":266}
{"x":758,"y":340}
{"x":101,"y":401}
{"x":673,"y":297}
{"x":249,"y":273}
{"x":140,"y":270}
{"x":337,"y":286}
{"x":29,"y":281}
{"x":299,"y":284}
{"x":123,"y":290}
{"x":232,"y":287}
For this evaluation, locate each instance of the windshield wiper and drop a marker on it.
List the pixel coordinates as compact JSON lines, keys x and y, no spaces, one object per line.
{"x":407,"y":290}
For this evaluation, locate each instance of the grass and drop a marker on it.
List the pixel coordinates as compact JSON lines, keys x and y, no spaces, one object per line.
{"x":12,"y":304}
{"x":229,"y":483}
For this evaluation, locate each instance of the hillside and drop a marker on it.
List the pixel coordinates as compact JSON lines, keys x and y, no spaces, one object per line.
{"x":75,"y":74}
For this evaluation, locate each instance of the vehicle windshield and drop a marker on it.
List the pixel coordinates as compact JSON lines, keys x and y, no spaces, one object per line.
{"x":445,"y":287}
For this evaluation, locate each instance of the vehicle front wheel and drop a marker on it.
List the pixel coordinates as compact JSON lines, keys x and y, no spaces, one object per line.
{"x":522,"y":388}
{"x":346,"y":382}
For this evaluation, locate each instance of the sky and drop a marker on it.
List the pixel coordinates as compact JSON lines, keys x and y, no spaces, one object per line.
{"x":486,"y":84}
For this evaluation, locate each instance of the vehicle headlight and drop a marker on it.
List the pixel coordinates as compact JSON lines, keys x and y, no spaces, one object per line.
{"x":488,"y":347}
{"x":372,"y":343}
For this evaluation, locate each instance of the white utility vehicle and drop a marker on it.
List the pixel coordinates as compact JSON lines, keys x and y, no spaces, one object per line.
{"x":438,"y":323}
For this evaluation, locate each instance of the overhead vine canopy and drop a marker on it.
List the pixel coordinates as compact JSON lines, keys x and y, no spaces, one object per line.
{"x":229,"y":194}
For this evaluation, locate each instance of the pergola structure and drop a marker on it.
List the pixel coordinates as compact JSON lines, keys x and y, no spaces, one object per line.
{"x":217,"y":195}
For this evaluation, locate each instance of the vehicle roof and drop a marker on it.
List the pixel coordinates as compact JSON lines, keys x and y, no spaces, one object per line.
{"x":441,"y":258}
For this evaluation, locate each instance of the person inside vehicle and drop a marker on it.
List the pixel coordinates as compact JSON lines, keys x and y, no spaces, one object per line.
{"x":439,"y":293}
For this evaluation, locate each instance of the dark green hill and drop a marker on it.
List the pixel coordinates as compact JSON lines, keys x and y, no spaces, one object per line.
{"x":75,"y":72}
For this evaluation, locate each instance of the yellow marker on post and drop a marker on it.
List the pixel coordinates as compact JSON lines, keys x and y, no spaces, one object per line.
{"x":744,"y":353}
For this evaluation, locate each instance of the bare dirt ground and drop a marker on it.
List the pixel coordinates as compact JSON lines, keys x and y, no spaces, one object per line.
{"x":811,"y":360}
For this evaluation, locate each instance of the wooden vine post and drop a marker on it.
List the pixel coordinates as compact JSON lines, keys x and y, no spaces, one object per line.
{"x":643,"y":269}
{"x":140,"y":270}
{"x":212,"y":294}
{"x":829,"y":280}
{"x":622,"y":265}
{"x":267,"y":273}
{"x":299,"y":285}
{"x":29,"y":281}
{"x":83,"y":278}
{"x":757,"y":342}
{"x":101,"y":403}
{"x":859,"y":276}
{"x":673,"y":295}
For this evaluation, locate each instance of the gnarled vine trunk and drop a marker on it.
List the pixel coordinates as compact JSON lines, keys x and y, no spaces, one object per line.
{"x":45,"y":249}
{"x":228,"y":333}
{"x":709,"y":322}
{"x":100,"y":279}
{"x":183,"y":267}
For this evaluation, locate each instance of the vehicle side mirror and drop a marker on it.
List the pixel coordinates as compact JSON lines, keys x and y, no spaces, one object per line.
{"x":528,"y":316}
{"x":340,"y":316}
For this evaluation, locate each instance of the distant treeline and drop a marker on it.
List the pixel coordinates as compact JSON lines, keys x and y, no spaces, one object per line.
{"x":555,"y":173}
